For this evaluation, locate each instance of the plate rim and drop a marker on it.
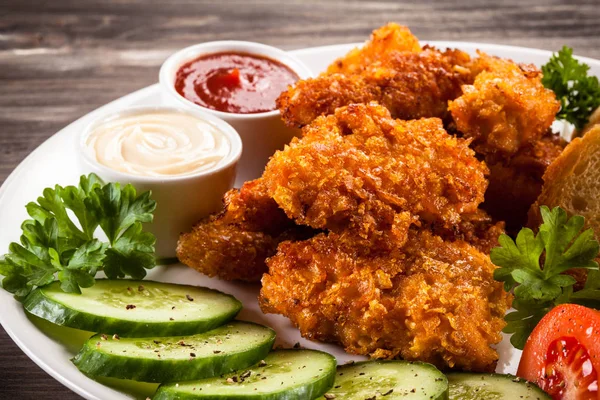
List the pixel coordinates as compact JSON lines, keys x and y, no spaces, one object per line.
{"x":78,"y":388}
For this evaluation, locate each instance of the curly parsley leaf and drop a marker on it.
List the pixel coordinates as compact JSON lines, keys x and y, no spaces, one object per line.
{"x":579,"y":93}
{"x":56,"y":245}
{"x":117,"y":209}
{"x":131,"y":254}
{"x":533,"y":267}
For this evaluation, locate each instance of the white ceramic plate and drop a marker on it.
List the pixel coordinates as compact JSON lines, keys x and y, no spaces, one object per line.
{"x":54,"y":162}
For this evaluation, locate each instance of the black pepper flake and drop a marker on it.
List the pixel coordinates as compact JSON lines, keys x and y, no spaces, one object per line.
{"x":262,"y":363}
{"x":192,"y":354}
{"x":246,"y":374}
{"x":297,"y":345}
{"x":130,"y":306}
{"x":156,"y":341}
{"x":172,"y":308}
{"x":216,"y":351}
{"x":388,"y":392}
{"x":171,"y":319}
{"x":187,"y":296}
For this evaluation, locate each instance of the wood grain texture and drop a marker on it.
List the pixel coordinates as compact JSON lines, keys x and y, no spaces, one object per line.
{"x":61,"y":59}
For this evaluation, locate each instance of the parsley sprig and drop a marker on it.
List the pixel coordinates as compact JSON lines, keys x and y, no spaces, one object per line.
{"x":579,"y":93}
{"x":53,"y":245}
{"x":534,"y":266}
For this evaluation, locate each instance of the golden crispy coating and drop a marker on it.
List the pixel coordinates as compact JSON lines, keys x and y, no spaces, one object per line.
{"x":428,"y":300}
{"x":358,"y":168}
{"x":234,"y":244}
{"x":410,"y":85}
{"x":477,"y":229}
{"x":516,"y":183}
{"x":310,"y":98}
{"x":506,"y":107}
{"x":385,"y":40}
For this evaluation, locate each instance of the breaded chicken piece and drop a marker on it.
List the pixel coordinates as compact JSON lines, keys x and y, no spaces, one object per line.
{"x":385,"y":40}
{"x":410,"y":85}
{"x":234,"y":244}
{"x":506,"y":108}
{"x":427,"y":300}
{"x":358,"y":168}
{"x":477,"y":229}
{"x":516,"y":183}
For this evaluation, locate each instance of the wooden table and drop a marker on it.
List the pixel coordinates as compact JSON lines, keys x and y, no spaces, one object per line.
{"x":61,"y":59}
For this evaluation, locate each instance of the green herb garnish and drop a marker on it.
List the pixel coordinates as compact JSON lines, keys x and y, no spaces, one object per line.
{"x":54,"y":245}
{"x":534,"y":267}
{"x":579,"y":94}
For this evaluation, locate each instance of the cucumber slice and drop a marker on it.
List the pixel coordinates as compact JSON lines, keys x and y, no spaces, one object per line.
{"x":468,"y":386}
{"x":284,"y":375}
{"x":389,"y":380}
{"x":134,"y":308}
{"x":164,"y":359}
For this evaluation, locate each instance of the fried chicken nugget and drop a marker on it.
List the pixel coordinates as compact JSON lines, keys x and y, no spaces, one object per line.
{"x":410,"y":85}
{"x":428,"y":300}
{"x":477,"y":229}
{"x":516,"y":183}
{"x":358,"y":168}
{"x":385,"y":40}
{"x":234,"y":244}
{"x":506,"y":108}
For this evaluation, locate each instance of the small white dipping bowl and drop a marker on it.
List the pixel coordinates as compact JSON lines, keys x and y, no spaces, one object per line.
{"x":181,"y":200}
{"x":261,"y":133}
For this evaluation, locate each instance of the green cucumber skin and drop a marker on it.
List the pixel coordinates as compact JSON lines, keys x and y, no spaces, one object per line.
{"x":306,"y":392}
{"x":310,"y":391}
{"x":38,"y":304}
{"x":534,"y":392}
{"x":99,"y":364}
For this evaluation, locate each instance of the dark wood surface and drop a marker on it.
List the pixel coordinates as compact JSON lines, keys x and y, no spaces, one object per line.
{"x":61,"y":59}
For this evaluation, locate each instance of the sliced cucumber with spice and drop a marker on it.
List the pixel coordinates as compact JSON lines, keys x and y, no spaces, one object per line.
{"x":134,"y":308}
{"x":228,"y":348}
{"x":468,"y":386}
{"x":282,"y":375}
{"x":389,"y":380}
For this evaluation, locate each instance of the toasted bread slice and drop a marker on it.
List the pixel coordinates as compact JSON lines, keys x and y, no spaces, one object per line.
{"x":572,"y":182}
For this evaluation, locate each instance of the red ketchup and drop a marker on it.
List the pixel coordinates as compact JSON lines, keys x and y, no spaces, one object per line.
{"x":236,"y":83}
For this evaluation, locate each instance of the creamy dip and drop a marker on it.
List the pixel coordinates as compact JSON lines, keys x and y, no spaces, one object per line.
{"x":161,"y":143}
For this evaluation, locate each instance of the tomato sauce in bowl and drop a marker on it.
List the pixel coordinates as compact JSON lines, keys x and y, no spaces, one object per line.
{"x":232,"y":82}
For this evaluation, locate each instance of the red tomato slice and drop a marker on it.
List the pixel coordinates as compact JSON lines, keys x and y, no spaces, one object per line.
{"x":562,"y":355}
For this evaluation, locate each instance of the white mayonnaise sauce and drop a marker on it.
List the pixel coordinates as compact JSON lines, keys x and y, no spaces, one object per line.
{"x":160,"y":143}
